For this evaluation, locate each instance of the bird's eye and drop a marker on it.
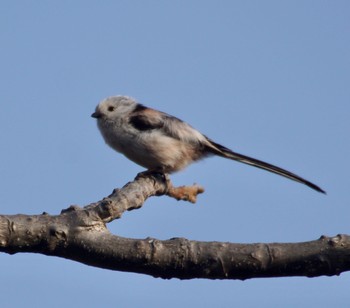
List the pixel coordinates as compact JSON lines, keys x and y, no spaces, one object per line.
{"x":111,"y":108}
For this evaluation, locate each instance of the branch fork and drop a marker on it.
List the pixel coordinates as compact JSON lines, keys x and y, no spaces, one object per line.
{"x":81,"y":234}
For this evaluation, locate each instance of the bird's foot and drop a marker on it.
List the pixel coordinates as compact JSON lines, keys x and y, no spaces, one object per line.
{"x":157,"y":176}
{"x":154,"y":173}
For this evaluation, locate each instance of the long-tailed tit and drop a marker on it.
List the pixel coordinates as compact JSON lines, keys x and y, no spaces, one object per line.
{"x":163,"y":143}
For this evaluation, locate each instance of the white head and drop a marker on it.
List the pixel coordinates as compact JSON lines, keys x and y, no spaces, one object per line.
{"x":114,"y":107}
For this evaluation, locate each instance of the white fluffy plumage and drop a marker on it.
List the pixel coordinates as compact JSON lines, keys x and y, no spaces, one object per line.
{"x":163,"y":143}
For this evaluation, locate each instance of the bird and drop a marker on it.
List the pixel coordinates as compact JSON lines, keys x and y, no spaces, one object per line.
{"x":163,"y":143}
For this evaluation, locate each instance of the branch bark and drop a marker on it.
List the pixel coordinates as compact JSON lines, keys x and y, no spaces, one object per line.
{"x":81,"y":234}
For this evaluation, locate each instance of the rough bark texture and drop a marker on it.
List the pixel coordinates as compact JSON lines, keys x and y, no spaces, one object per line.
{"x":81,"y":234}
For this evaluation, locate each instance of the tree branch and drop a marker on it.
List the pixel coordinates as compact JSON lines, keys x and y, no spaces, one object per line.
{"x":81,"y":234}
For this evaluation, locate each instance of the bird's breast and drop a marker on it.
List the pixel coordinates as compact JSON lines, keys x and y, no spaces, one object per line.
{"x":151,"y":149}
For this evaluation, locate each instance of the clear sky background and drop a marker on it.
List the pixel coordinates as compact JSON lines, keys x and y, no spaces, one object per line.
{"x":270,"y":79}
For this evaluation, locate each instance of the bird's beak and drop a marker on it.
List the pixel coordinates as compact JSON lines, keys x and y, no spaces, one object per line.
{"x":96,"y":115}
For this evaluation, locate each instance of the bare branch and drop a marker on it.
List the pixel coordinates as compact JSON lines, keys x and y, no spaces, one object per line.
{"x":130,"y":197}
{"x":81,"y":234}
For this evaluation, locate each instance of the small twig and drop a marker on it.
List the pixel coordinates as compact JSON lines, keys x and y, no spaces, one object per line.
{"x":185,"y":193}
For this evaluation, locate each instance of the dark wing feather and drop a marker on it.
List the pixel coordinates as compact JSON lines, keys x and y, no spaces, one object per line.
{"x":143,"y":118}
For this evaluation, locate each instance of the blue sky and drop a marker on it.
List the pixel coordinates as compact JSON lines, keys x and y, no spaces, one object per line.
{"x":269,"y":79}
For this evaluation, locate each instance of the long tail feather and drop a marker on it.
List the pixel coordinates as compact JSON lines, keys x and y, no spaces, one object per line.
{"x":220,"y":150}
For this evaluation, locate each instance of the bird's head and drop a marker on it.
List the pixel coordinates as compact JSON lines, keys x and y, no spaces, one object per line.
{"x":114,"y":107}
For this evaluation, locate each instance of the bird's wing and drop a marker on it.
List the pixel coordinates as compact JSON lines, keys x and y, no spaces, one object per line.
{"x":144,"y":118}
